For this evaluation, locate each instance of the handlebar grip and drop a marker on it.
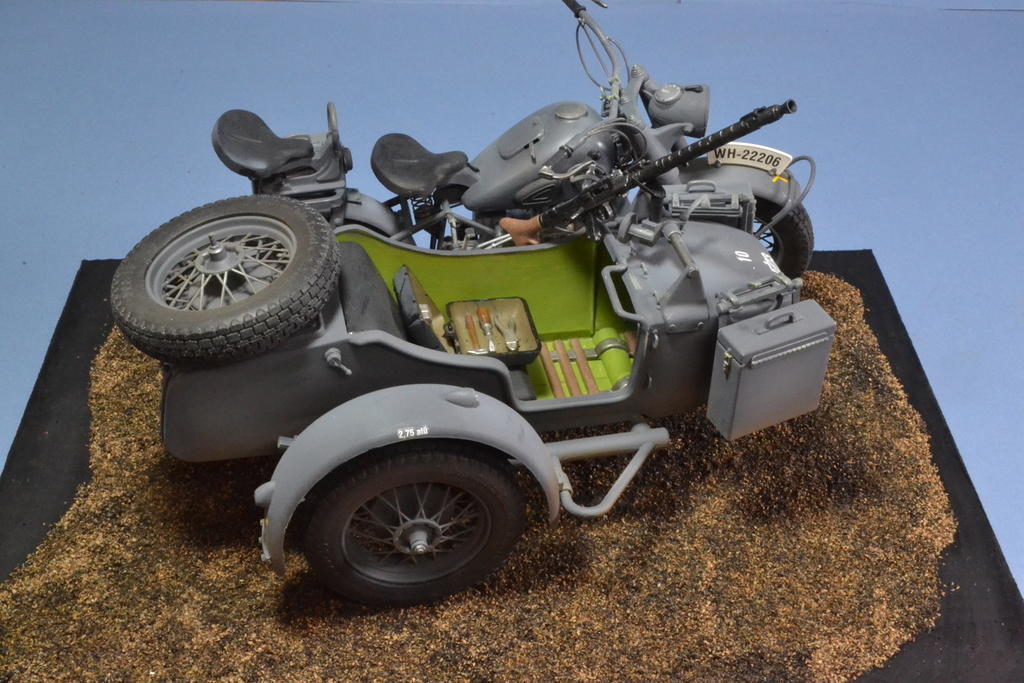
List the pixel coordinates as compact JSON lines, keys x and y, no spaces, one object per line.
{"x":574,"y":7}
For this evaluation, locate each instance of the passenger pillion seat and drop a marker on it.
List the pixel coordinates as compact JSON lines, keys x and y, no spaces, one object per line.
{"x":246,"y":145}
{"x":408,"y":169}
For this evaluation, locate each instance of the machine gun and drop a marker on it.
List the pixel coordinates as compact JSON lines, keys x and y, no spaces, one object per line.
{"x":609,"y":188}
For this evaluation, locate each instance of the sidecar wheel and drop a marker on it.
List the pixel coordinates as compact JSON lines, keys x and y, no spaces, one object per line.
{"x":414,"y":523}
{"x":791,"y":242}
{"x":226,"y":281}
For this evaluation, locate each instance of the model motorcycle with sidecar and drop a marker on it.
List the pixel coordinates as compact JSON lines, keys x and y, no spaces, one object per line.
{"x":545,"y":158}
{"x":406,"y":384}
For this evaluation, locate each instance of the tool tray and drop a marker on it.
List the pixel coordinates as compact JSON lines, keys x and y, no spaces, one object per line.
{"x":501,"y":312}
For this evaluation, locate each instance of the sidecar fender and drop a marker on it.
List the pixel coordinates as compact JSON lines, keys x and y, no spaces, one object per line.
{"x":764,"y":185}
{"x":384,"y":417}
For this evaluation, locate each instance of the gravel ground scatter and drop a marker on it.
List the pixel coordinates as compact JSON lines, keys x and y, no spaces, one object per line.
{"x":808,"y":551}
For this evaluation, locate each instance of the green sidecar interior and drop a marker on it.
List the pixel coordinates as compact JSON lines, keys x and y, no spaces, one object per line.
{"x":562,"y":288}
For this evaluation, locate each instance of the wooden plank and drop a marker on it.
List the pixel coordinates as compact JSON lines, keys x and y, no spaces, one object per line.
{"x":631,"y":342}
{"x":549,"y":370}
{"x":566,"y":364}
{"x":584,"y":366}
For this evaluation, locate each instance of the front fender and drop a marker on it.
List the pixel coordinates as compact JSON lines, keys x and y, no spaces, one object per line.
{"x":380,"y":418}
{"x":764,"y":185}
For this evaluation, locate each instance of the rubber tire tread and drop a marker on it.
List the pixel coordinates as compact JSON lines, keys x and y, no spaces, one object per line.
{"x":795,"y":233}
{"x":448,"y":456}
{"x":242,"y":330}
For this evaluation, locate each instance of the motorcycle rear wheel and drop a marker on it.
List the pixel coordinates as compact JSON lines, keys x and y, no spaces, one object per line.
{"x":791,"y":242}
{"x":226,"y":281}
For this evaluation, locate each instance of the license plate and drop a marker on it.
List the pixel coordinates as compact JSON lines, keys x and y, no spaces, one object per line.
{"x":773,"y":161}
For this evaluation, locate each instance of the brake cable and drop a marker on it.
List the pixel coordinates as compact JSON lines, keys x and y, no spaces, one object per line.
{"x":790,"y":204}
{"x":583,"y":62}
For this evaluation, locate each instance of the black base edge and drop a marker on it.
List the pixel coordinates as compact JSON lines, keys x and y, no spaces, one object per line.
{"x":49,"y":457}
{"x":979,"y":635}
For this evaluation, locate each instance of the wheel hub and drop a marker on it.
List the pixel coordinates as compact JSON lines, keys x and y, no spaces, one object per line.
{"x":221,"y":263}
{"x":217,"y":258}
{"x":417,"y":536}
{"x":415,"y":532}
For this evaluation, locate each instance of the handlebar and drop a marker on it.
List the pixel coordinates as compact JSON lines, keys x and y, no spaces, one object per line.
{"x":587,"y":24}
{"x":576,"y":7}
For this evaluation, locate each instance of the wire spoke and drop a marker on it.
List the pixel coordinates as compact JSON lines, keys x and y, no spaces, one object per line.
{"x":415,"y":532}
{"x":421,"y":512}
{"x":224,"y":289}
{"x":462,"y":521}
{"x":396,"y":506}
{"x":371,"y":537}
{"x":436,"y":517}
{"x":253,"y":259}
{"x":377,"y":520}
{"x":458,"y":534}
{"x":450,"y":504}
{"x":382,"y":556}
{"x":267,"y":279}
{"x":249,"y":280}
{"x":199,"y":294}
{"x":223,"y":270}
{"x":180,"y":290}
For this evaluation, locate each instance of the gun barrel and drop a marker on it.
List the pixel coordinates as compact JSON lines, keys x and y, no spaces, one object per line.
{"x":585,"y":201}
{"x":756,"y":119}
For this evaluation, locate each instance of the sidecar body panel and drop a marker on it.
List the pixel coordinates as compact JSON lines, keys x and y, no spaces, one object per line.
{"x":681,"y":314}
{"x":240,"y":409}
{"x":380,"y":418}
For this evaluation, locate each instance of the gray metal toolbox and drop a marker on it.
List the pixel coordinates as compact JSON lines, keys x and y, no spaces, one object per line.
{"x":769,"y":368}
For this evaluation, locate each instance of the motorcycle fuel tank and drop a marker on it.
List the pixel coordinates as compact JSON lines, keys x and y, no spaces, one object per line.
{"x":509,"y":167}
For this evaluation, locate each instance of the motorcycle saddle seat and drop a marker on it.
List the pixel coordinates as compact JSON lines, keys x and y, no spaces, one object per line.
{"x":247,"y":146}
{"x":408,"y":169}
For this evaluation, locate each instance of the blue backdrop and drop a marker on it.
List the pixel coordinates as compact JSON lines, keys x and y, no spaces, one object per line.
{"x":912,"y":111}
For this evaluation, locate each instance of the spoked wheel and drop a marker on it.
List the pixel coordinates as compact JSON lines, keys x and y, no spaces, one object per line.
{"x":221,"y":263}
{"x":414,"y":524}
{"x":791,"y":242}
{"x":226,"y":280}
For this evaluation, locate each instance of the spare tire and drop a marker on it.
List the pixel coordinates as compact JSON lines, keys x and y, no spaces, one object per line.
{"x":226,"y":281}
